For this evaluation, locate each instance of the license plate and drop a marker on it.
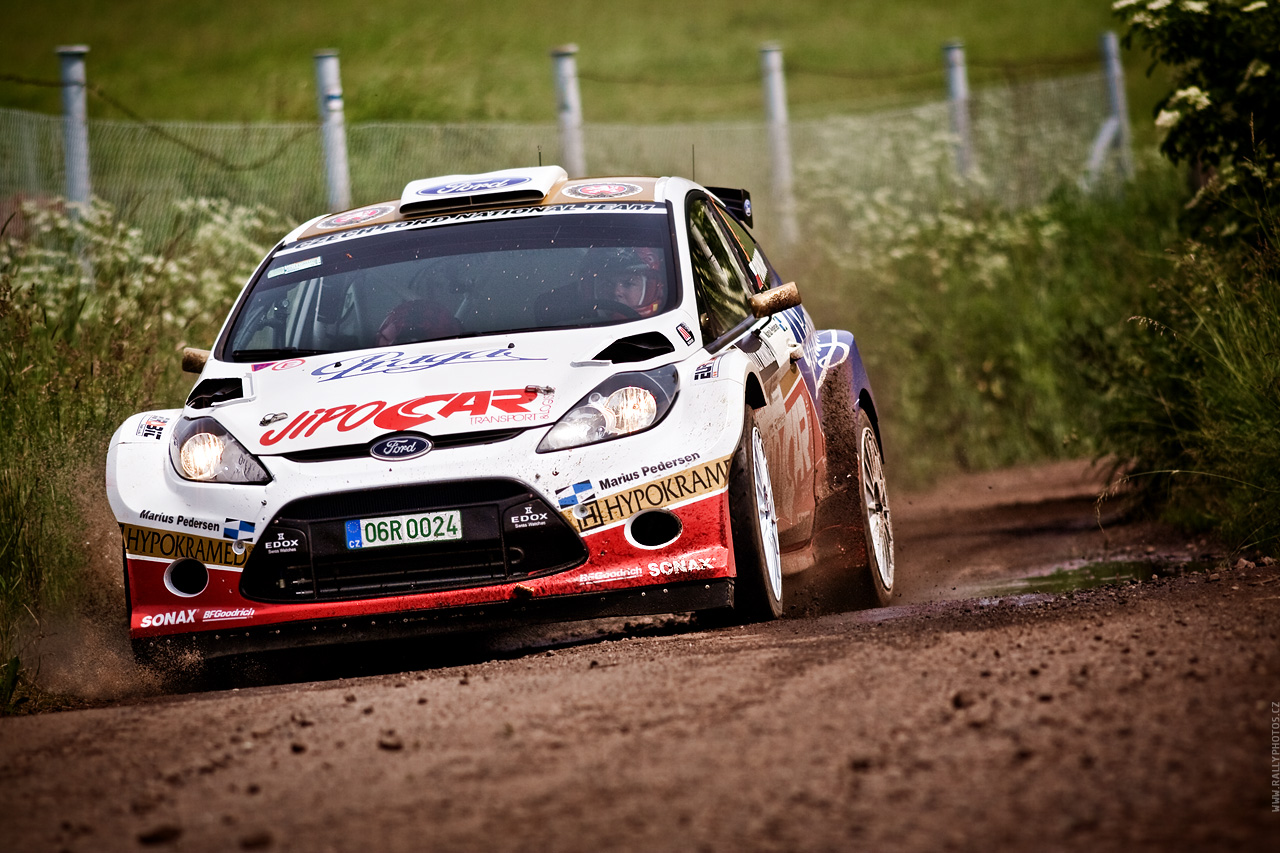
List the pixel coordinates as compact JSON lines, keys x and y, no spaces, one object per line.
{"x":404,"y":529}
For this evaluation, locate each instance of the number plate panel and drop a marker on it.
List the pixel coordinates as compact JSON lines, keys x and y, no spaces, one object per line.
{"x":409,"y":529}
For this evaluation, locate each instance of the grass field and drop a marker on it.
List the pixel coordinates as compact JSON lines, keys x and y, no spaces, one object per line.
{"x":487,"y":60}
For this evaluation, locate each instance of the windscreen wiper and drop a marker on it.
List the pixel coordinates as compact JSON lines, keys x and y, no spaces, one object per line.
{"x":270,"y":354}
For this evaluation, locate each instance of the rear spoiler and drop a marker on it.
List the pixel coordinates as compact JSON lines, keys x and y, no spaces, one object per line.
{"x":737,"y":202}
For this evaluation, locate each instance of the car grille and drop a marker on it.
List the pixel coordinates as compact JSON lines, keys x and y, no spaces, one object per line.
{"x":508,"y":534}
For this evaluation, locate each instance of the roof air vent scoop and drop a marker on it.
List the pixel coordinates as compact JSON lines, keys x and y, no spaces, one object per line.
{"x":459,"y":192}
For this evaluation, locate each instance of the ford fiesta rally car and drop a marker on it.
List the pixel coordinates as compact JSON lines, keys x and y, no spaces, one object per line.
{"x":507,"y":397}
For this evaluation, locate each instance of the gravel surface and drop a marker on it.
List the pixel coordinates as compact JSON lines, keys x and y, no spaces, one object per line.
{"x":978,"y":714}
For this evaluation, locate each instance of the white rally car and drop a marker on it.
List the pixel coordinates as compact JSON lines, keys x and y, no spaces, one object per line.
{"x":507,"y":397}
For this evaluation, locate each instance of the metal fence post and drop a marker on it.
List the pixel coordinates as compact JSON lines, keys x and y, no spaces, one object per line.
{"x":1119,"y":102}
{"x":958,"y":95}
{"x":333,"y":125}
{"x":75,"y":125}
{"x":775,"y":112}
{"x":569,"y":109}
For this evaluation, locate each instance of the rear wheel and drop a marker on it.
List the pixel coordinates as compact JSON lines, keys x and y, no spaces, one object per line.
{"x":877,"y":525}
{"x":753,"y":517}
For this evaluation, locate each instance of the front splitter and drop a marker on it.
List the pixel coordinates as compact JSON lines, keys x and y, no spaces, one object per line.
{"x":639,"y":601}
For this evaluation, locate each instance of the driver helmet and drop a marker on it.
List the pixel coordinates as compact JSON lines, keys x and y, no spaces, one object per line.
{"x":634,"y":278}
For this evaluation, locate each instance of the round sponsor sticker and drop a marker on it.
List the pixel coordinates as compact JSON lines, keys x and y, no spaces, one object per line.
{"x":355,"y":217}
{"x":598,"y":191}
{"x":288,"y":364}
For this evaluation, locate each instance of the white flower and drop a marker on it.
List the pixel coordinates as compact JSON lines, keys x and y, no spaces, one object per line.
{"x":1197,"y":6}
{"x":1167,"y":119}
{"x":1157,"y":5}
{"x":1253,"y":7}
{"x":1192,"y":96}
{"x":1257,"y":68}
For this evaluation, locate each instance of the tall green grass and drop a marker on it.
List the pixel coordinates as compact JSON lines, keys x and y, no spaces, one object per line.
{"x":91,"y":324}
{"x":1193,"y":398}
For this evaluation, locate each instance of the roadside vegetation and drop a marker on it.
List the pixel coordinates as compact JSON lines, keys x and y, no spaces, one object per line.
{"x":91,"y":327}
{"x":987,"y":329}
{"x":1193,"y":397}
{"x":1143,"y":325}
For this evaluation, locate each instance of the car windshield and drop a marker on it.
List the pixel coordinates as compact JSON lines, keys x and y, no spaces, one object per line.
{"x":453,"y":277}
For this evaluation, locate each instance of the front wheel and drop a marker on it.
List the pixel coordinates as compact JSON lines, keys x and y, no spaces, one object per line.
{"x":753,"y":517}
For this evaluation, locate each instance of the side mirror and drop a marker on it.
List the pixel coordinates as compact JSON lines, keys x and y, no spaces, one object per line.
{"x":778,"y":299}
{"x":193,"y":359}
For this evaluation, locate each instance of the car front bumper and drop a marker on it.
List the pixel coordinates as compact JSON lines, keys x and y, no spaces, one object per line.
{"x":556,"y":534}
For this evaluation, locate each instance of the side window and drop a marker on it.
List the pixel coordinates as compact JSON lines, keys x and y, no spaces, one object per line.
{"x":720,"y":283}
{"x":270,"y":320}
{"x":763,"y":272}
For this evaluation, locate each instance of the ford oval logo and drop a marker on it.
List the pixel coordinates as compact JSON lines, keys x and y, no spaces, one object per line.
{"x":470,"y":187}
{"x":400,"y":447}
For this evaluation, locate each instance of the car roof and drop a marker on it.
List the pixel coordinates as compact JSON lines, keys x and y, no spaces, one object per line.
{"x":540,"y":186}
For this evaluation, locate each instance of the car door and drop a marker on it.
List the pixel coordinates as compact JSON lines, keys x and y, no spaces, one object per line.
{"x":801,"y":446}
{"x":723,"y":282}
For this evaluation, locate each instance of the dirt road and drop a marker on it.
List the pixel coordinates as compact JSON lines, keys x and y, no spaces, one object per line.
{"x":975,"y":715}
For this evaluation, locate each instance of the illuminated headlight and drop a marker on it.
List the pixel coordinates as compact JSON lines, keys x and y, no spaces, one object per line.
{"x":203,"y":450}
{"x":621,"y":405}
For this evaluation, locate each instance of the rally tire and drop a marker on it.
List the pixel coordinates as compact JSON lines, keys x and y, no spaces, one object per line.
{"x":754,"y":522}
{"x":874,"y":585}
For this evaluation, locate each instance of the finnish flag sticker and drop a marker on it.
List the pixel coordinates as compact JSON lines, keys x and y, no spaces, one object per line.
{"x":578,"y":493}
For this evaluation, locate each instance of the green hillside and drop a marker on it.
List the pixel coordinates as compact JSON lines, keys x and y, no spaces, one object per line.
{"x":487,"y":60}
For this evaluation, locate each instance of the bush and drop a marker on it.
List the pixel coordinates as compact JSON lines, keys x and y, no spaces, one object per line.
{"x":1200,"y":420}
{"x":980,"y":323}
{"x":1222,"y":117}
{"x":1194,"y":386}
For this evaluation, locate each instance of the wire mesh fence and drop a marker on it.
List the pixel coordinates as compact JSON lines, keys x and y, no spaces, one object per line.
{"x":1027,"y":138}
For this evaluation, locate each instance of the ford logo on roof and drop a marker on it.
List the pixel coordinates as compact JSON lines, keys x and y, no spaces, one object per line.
{"x":396,"y":447}
{"x":472,"y":187}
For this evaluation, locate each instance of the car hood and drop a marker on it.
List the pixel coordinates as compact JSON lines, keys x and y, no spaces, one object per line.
{"x":441,"y":388}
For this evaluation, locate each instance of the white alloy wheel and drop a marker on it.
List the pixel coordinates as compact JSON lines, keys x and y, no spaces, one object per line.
{"x":767,"y":516}
{"x":875,"y":502}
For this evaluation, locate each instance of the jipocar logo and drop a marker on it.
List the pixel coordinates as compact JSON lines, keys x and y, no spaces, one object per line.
{"x":466,"y":187}
{"x":506,"y":405}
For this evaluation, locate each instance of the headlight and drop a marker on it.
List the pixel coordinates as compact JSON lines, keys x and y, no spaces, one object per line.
{"x":621,"y":405}
{"x":203,"y":450}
